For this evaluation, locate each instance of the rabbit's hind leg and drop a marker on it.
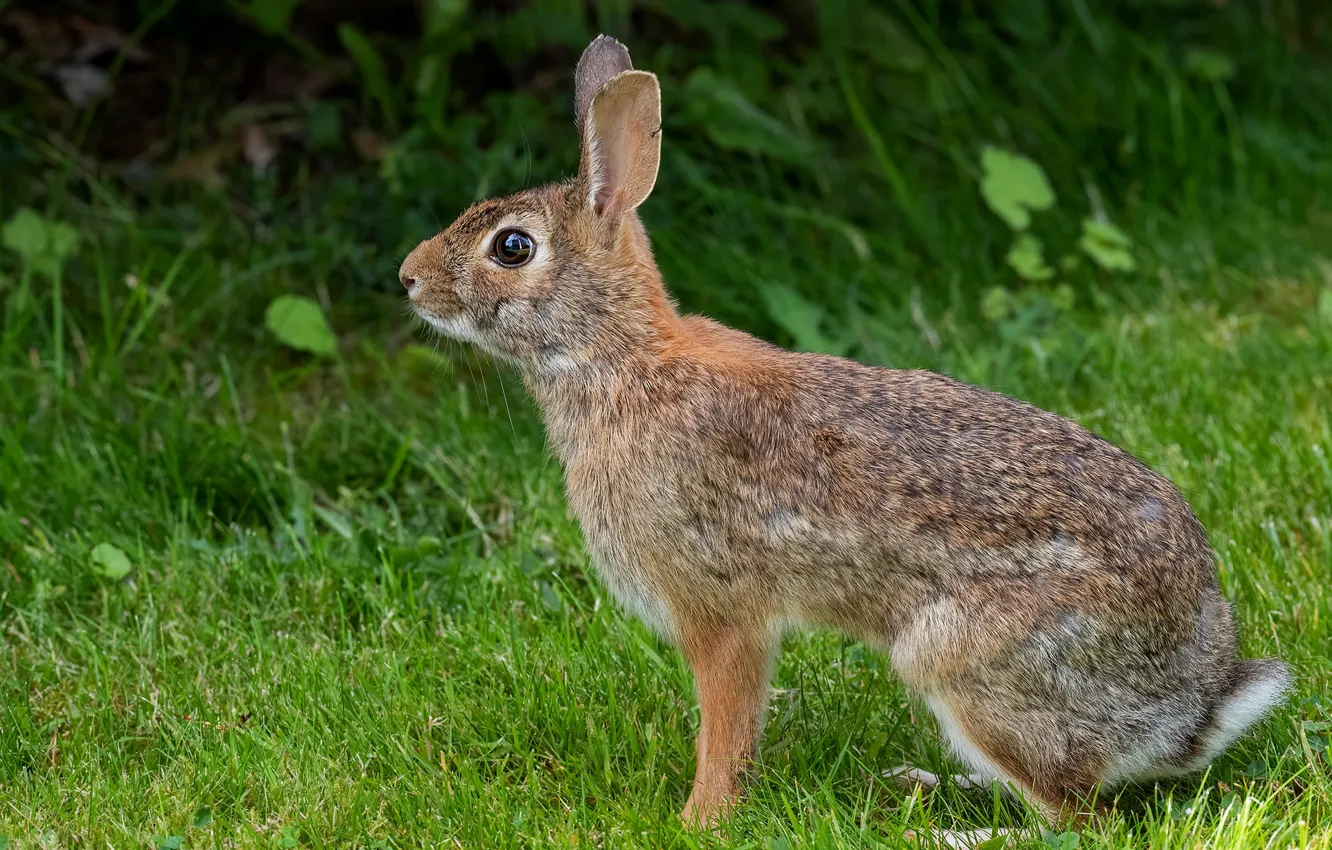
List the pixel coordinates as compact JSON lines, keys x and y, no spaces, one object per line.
{"x":1050,"y":768}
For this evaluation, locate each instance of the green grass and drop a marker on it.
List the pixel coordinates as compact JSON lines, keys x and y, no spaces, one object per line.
{"x":287,"y":655}
{"x":358,"y":613}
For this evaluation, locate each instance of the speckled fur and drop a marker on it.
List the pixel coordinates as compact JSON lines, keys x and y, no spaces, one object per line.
{"x":1051,"y":598}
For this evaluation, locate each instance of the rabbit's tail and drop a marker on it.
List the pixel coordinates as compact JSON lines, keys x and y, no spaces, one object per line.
{"x":1259,"y":684}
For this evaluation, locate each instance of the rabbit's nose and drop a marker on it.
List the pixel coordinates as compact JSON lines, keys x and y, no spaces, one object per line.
{"x":407,"y":281}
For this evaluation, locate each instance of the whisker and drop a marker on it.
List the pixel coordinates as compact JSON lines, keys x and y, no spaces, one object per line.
{"x":440,"y":360}
{"x":527,"y":149}
{"x":467,"y":358}
{"x":485,"y":387}
{"x":508,"y":410}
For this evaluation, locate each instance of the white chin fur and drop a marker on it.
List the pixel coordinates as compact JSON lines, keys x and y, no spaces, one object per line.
{"x":461,"y":329}
{"x":454,"y":327}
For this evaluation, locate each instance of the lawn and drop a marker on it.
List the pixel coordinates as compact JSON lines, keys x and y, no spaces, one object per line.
{"x":352,"y":609}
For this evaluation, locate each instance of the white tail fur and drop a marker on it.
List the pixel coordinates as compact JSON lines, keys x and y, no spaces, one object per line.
{"x":1260,"y":684}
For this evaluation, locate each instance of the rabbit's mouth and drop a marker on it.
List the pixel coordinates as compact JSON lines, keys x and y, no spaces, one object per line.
{"x":456,"y":326}
{"x":462,"y":328}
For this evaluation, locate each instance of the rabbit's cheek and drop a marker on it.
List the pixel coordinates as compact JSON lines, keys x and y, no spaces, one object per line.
{"x":506,"y":320}
{"x":510,"y":313}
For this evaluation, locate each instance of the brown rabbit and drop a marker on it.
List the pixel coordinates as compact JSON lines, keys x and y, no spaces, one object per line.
{"x":1052,"y":600}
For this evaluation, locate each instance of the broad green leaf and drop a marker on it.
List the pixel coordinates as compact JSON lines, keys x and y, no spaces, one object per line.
{"x":1062,"y":840}
{"x":1210,"y":65}
{"x":896,"y":48}
{"x":734,"y":23}
{"x":441,"y":16}
{"x":802,"y":319}
{"x":43,"y":245}
{"x":996,"y":304}
{"x":1062,"y":297}
{"x":272,"y":16}
{"x":1107,"y":245}
{"x":531,"y":565}
{"x":299,"y":323}
{"x":1027,"y":258}
{"x":429,"y":545}
{"x":25,"y":235}
{"x":110,"y":561}
{"x":1027,"y":20}
{"x":1325,"y":306}
{"x":997,"y":842}
{"x":732,"y":121}
{"x":203,"y":817}
{"x":550,"y":598}
{"x":1013,"y":186}
{"x":61,"y":240}
{"x":334,"y":520}
{"x":325,"y":125}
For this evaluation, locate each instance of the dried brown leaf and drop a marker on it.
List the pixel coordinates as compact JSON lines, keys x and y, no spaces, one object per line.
{"x":97,"y":39}
{"x":369,"y":144}
{"x":203,"y":166}
{"x":45,"y":37}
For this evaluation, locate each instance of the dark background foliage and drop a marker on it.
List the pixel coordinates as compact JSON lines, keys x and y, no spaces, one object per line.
{"x":859,"y":121}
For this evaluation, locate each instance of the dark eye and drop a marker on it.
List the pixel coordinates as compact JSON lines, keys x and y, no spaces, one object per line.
{"x":513,"y":248}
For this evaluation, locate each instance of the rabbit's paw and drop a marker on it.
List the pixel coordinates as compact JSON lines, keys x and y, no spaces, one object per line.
{"x":971,"y":839}
{"x":906,"y":776}
{"x":709,"y":803}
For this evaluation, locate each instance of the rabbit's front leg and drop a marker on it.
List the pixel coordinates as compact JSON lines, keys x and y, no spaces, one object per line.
{"x":732,"y":663}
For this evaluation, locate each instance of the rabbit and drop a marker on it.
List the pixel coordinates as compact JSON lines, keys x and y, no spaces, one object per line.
{"x":1051,"y":599}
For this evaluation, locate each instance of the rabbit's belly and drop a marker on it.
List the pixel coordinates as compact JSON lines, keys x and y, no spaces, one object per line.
{"x":634,"y":590}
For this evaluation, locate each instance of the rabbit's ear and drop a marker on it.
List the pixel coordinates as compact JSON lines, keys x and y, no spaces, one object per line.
{"x":603,"y":59}
{"x":622,"y":143}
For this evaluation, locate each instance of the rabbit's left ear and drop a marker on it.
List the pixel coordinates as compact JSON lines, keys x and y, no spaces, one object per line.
{"x":601,"y":61}
{"x":621,"y":143}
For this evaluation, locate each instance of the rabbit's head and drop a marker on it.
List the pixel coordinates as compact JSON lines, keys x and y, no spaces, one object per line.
{"x":556,"y":278}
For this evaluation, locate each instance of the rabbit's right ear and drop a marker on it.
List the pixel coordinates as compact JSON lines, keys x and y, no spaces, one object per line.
{"x":619,"y":113}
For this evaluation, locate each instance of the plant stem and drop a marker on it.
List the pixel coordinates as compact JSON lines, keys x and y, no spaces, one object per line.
{"x":58,"y":325}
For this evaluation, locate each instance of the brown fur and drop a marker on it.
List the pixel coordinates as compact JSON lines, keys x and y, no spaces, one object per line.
{"x":1052,"y":599}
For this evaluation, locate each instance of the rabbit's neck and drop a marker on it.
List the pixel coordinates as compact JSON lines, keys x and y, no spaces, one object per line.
{"x":599,"y":398}
{"x":612,"y":393}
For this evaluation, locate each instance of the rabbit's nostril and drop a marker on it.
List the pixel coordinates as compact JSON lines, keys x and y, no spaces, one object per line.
{"x":408,"y":282}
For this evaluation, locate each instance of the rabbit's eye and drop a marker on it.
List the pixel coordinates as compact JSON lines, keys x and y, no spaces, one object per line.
{"x":513,"y":248}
